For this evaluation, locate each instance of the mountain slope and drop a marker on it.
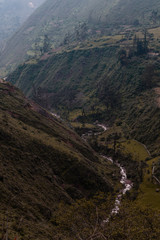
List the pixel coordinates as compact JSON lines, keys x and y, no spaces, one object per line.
{"x":129,"y":12}
{"x":58,"y":18}
{"x":42,"y":163}
{"x":55,"y":18}
{"x":91,"y":83}
{"x":13,"y":13}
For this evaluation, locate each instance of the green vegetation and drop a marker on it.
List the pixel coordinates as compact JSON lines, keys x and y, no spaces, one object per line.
{"x":58,"y":21}
{"x":84,"y":220}
{"x":12,"y":14}
{"x":75,"y":21}
{"x":52,"y":177}
{"x":136,"y":149}
{"x":79,"y":87}
{"x":148,"y":193}
{"x":149,"y":189}
{"x":88,"y":73}
{"x":127,"y":13}
{"x":43,"y":163}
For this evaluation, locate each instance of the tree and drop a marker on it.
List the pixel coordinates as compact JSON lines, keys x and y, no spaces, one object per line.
{"x":36,"y":49}
{"x":154,"y":16}
{"x":140,"y":46}
{"x":147,"y":80}
{"x":136,"y":22}
{"x":145,"y":41}
{"x":122,"y":56}
{"x":46,"y":44}
{"x":83,"y":31}
{"x":134,"y":43}
{"x":116,"y":137}
{"x":66,"y":39}
{"x":108,"y":96}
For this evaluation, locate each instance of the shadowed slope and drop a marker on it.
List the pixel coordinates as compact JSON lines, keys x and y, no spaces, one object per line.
{"x":42,"y":162}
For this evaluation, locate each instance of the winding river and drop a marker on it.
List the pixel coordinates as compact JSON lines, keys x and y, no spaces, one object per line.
{"x":127,"y":184}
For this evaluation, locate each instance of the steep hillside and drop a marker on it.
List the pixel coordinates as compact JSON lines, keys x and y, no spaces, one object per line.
{"x":42,"y":163}
{"x":57,"y":19}
{"x":134,"y":12}
{"x":94,"y":83}
{"x":12,"y":14}
{"x":74,"y":74}
{"x":54,"y":18}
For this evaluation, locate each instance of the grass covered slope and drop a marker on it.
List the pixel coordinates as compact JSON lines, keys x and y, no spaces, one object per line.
{"x":135,"y":12}
{"x":69,"y":78}
{"x":54,"y":18}
{"x":58,"y":18}
{"x":93,"y":83}
{"x":42,"y":163}
{"x":12,"y":14}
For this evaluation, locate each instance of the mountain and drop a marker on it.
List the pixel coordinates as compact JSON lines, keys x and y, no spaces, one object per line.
{"x":42,"y":163}
{"x":53,"y":183}
{"x":54,"y":18}
{"x":12,"y":14}
{"x":98,"y":79}
{"x":143,"y":12}
{"x":57,"y":19}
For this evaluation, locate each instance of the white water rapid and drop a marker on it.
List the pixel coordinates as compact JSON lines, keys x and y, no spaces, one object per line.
{"x":55,"y":115}
{"x":127,"y":187}
{"x":102,"y":126}
{"x":124,"y":180}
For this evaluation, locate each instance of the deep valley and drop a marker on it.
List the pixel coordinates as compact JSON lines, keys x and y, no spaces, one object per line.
{"x":79,"y":123}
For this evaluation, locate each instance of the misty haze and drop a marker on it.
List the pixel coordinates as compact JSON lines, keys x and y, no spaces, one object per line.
{"x":79,"y":119}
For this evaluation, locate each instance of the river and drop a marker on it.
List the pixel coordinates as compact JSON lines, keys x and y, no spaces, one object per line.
{"x":127,"y":184}
{"x":127,"y":187}
{"x":124,"y":180}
